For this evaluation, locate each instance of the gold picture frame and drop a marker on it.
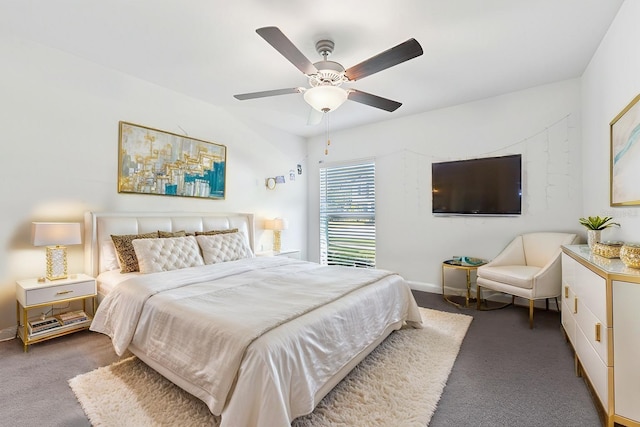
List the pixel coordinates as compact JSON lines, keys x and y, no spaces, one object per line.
{"x":625,"y":156}
{"x":153,"y":161}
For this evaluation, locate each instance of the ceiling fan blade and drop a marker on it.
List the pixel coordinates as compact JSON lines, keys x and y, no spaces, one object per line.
{"x":315,"y":117}
{"x":394,"y":56}
{"x":282,"y":44}
{"x":373,"y":100}
{"x":266,"y":93}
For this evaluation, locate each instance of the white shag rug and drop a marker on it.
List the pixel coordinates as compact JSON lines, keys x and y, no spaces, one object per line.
{"x":398,"y":384}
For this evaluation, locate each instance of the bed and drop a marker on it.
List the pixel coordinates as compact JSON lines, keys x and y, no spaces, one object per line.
{"x":261,"y":340}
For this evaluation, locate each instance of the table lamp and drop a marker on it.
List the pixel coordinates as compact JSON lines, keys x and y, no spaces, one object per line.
{"x":277,"y":225}
{"x":54,"y":235}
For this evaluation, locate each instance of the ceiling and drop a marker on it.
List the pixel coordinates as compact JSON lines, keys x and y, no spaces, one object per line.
{"x":208,"y":49}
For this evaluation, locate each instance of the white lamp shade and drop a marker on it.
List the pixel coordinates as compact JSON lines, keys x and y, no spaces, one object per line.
{"x":276,"y":224}
{"x":325,"y":98}
{"x":55,"y":233}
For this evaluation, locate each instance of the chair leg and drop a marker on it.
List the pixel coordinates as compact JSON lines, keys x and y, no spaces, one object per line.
{"x":546,"y":304}
{"x":557,"y":305}
{"x":531,"y":314}
{"x":486,"y":305}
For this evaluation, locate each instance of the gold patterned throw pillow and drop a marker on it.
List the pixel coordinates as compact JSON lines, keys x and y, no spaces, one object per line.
{"x":180,"y":233}
{"x":126,"y":253}
{"x":214,"y":232}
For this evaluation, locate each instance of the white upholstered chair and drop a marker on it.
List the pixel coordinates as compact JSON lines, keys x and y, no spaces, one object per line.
{"x":529,"y":267}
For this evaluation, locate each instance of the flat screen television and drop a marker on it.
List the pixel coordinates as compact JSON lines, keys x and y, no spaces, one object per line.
{"x":485,"y":186}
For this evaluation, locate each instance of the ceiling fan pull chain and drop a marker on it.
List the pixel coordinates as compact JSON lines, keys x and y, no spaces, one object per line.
{"x":326,"y":150}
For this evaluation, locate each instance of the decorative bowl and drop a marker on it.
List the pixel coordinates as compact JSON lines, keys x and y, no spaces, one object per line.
{"x":607,"y":249}
{"x":630,"y":255}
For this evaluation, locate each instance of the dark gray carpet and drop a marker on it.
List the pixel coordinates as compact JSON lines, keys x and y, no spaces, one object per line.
{"x":509,"y":375}
{"x":505,"y":375}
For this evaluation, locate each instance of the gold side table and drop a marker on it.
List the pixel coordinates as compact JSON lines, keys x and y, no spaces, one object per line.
{"x":467,"y":268}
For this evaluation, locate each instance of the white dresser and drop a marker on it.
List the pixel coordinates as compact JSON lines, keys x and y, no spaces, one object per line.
{"x":601,"y":319}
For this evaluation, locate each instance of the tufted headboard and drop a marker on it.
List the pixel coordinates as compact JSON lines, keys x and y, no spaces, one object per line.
{"x":99,"y":226}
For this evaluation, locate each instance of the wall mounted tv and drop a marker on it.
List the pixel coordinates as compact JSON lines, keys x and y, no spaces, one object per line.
{"x":485,"y":186}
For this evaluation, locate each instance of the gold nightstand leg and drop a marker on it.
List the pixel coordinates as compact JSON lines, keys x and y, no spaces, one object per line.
{"x":25,"y":332}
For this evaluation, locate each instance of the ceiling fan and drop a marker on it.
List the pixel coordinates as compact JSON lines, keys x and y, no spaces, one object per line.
{"x":326,"y":77}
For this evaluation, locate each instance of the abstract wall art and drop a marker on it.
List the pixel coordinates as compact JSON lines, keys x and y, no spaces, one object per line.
{"x":625,"y":156}
{"x":153,"y":161}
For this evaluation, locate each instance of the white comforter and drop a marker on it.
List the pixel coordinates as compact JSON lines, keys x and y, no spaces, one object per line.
{"x":256,"y":339}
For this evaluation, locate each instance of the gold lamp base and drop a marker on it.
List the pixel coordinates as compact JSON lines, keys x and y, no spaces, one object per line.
{"x":276,"y":241}
{"x":56,"y":262}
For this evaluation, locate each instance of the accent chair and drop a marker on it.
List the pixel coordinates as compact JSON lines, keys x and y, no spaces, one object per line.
{"x":529,"y":267}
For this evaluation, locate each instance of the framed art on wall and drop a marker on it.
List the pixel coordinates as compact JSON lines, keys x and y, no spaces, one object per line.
{"x":152,"y":161}
{"x":625,"y":156}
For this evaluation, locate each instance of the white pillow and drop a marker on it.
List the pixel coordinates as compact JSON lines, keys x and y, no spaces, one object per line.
{"x":169,"y":253}
{"x":109,"y":257}
{"x":224,"y":247}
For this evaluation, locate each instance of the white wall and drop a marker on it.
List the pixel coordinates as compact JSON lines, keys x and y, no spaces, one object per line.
{"x":541,"y":123}
{"x":610,"y":82}
{"x":59,"y":129}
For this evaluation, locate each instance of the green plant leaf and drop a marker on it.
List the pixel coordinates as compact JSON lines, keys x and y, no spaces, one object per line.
{"x":597,"y":223}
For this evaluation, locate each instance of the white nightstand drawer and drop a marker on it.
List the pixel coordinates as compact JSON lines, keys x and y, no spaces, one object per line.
{"x":287,"y":253}
{"x":30,"y":292}
{"x":60,"y":292}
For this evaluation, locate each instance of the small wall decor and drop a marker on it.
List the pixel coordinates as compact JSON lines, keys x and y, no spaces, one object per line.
{"x":153,"y":161}
{"x":625,"y":156}
{"x":270,"y":183}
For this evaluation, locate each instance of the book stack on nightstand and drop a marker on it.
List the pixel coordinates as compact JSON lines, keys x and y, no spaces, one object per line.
{"x":32,"y":294}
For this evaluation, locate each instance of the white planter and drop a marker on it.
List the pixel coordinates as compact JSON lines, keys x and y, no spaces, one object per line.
{"x":593,"y":237}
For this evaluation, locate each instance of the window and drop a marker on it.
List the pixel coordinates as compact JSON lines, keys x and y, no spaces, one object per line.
{"x":348,"y":215}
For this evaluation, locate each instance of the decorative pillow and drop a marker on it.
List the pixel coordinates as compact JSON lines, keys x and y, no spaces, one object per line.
{"x":224,"y":247}
{"x":180,"y":233}
{"x":214,"y":232}
{"x":124,"y":248}
{"x":164,"y":254}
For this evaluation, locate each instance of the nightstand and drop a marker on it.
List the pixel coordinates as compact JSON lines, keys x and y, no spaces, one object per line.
{"x":289,"y":253}
{"x":31,"y":294}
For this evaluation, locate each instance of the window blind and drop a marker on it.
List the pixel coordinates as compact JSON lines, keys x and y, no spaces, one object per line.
{"x":348,"y":215}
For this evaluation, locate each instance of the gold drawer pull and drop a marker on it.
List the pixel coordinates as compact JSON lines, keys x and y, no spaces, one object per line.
{"x":566,"y":292}
{"x":63,"y":292}
{"x":598,"y":332}
{"x":575,"y":306}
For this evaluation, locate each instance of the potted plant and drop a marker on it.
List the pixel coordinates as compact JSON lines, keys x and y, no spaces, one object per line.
{"x":594,"y":226}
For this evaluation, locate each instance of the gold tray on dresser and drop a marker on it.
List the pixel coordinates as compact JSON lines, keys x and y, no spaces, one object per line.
{"x":607,"y":249}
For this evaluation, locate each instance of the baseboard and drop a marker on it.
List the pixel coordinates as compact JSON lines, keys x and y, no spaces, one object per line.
{"x":8,"y":333}
{"x":425,"y":287}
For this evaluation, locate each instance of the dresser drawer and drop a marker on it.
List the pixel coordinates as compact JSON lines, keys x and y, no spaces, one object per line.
{"x":51,"y":294}
{"x":569,"y":266}
{"x":593,"y":367}
{"x":595,"y":332}
{"x":591,"y":290}
{"x":568,"y":319}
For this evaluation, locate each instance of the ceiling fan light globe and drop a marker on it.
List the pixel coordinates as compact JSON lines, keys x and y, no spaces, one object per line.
{"x":325,"y":98}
